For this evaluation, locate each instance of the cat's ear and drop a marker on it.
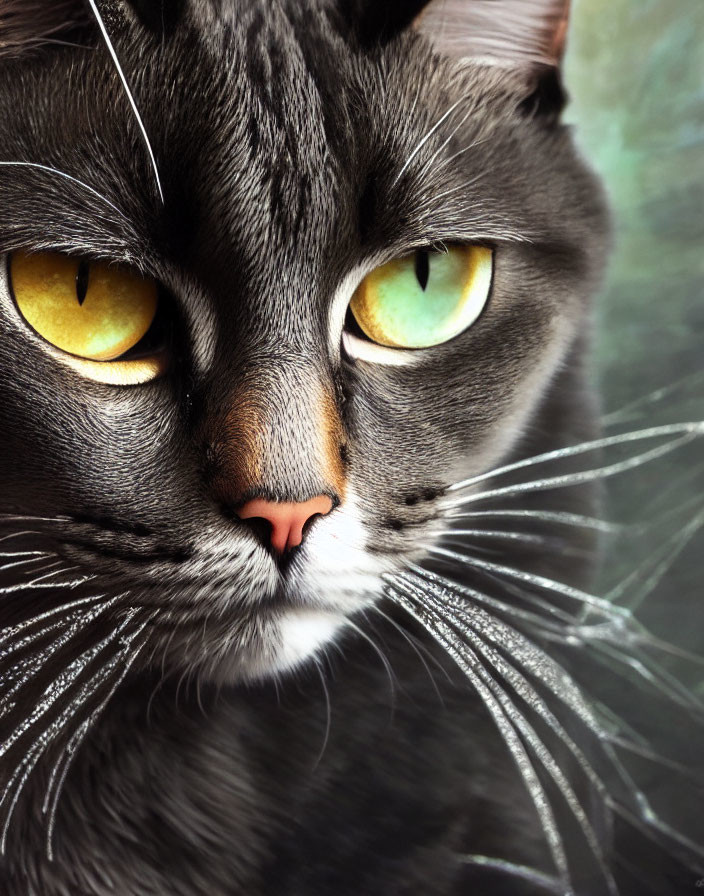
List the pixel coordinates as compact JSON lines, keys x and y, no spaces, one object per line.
{"x":508,"y":33}
{"x":527,"y":36}
{"x":27,"y":25}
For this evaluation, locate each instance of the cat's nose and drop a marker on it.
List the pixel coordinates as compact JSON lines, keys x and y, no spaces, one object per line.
{"x":287,"y":520}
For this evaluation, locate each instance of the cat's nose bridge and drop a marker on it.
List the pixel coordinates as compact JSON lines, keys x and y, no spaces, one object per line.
{"x":279,"y":436}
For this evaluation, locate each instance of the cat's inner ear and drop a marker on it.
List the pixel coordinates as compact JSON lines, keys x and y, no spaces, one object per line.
{"x":27,"y":25}
{"x":508,"y":33}
{"x":527,"y":36}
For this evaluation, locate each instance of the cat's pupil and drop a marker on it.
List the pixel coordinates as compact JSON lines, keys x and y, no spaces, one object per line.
{"x":82,"y":277}
{"x":422,"y":268}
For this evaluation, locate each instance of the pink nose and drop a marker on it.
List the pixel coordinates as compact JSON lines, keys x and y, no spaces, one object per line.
{"x":287,"y":520}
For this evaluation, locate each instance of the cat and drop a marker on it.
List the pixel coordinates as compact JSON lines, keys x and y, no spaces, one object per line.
{"x":270,"y":620}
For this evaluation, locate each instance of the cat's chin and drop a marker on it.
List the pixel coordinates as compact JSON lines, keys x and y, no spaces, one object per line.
{"x":277,"y":646}
{"x":296,"y":638}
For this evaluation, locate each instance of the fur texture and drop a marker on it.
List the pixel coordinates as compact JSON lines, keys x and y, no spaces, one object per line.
{"x":295,"y":155}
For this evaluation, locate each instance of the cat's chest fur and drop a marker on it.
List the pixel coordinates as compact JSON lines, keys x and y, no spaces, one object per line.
{"x":258,"y":793}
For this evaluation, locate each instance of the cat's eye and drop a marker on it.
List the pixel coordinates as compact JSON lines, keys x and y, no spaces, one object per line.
{"x":98,"y":314}
{"x":424,"y":299}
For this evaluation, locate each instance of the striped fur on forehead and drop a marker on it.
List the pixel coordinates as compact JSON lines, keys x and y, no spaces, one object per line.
{"x":509,"y":33}
{"x":27,"y":25}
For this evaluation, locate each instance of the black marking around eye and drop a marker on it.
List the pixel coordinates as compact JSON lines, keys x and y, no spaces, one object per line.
{"x":82,"y":278}
{"x":422,"y":268}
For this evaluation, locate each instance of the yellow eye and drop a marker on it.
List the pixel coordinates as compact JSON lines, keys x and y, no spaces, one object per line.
{"x":91,"y":310}
{"x":424,"y":299}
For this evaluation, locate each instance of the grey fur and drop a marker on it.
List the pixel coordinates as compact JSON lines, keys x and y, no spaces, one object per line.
{"x":282,"y":138}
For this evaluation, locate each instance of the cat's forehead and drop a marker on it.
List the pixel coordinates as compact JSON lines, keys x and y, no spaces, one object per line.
{"x":279,"y":143}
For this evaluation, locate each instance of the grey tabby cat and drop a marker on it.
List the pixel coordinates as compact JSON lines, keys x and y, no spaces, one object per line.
{"x":293,"y":293}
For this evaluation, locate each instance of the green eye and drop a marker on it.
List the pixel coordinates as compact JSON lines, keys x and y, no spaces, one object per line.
{"x":424,"y":299}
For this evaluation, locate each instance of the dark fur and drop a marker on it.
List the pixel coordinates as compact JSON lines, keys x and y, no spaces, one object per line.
{"x":278,"y":129}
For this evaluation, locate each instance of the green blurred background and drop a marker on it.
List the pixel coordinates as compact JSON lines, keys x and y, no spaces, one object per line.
{"x":635,"y":73}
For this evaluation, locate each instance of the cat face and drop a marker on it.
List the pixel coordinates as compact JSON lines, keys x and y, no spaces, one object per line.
{"x":295,"y":158}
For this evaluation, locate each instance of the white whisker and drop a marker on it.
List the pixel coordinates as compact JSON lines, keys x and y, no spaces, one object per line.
{"x":39,"y":556}
{"x":39,"y":586}
{"x":30,"y":668}
{"x":328,"y":714}
{"x":656,"y":566}
{"x":608,"y":609}
{"x":380,"y":653}
{"x":687,"y":432}
{"x":9,"y":633}
{"x":57,"y":779}
{"x":135,"y":110}
{"x":510,"y":736}
{"x":19,"y":534}
{"x":625,"y":413}
{"x":531,"y":875}
{"x":25,"y":554}
{"x":61,"y":684}
{"x":565,"y":688}
{"x":74,"y":180}
{"x":425,"y":139}
{"x":26,"y":766}
{"x":560,"y":517}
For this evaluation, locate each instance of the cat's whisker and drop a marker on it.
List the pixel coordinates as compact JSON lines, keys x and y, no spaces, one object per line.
{"x":625,"y":413}
{"x":686,"y":432}
{"x":75,"y":180}
{"x":523,"y":689}
{"x":9,"y":633}
{"x":561,"y":518}
{"x":25,"y":554}
{"x":483,"y":624}
{"x":19,"y":534}
{"x":328,"y":714}
{"x":647,"y":753}
{"x":57,"y":779}
{"x":551,"y":885}
{"x":62,"y":684}
{"x":379,"y":652}
{"x":555,"y":622}
{"x":40,"y":557}
{"x":55,"y":572}
{"x":510,"y":735}
{"x":651,"y":825}
{"x":651,"y":573}
{"x":620,"y":628}
{"x":32,"y":667}
{"x":130,"y":97}
{"x":551,"y":675}
{"x":610,"y":651}
{"x":419,"y":649}
{"x":39,"y":585}
{"x":36,"y":750}
{"x":419,"y":146}
{"x":523,"y":537}
{"x":583,"y":598}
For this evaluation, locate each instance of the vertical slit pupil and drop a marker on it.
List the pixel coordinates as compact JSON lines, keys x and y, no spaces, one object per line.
{"x":82,"y":277}
{"x":422,"y":268}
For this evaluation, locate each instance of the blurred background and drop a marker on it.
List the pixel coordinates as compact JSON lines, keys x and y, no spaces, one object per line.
{"x":635,"y":74}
